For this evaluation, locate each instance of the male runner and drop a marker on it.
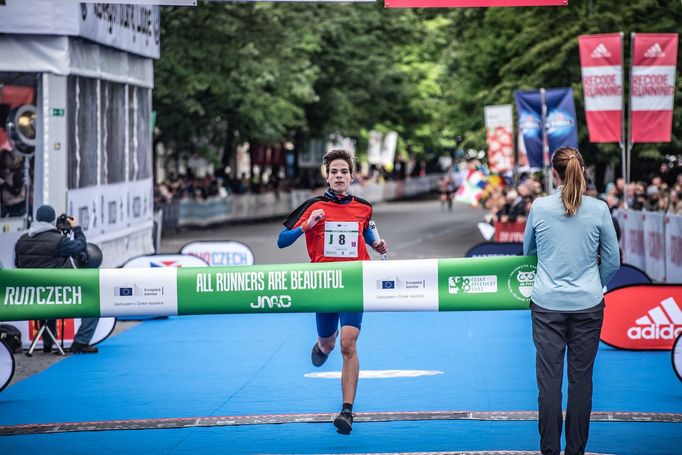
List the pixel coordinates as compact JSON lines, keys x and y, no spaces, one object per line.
{"x":318,"y":218}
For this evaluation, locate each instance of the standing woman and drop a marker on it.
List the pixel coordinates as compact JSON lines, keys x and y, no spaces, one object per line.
{"x":577,"y":250}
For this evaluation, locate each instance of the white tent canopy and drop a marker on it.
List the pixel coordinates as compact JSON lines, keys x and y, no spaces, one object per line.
{"x":64,"y":56}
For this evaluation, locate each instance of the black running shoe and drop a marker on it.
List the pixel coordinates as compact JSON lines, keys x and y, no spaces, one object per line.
{"x":344,"y":422}
{"x":317,"y":356}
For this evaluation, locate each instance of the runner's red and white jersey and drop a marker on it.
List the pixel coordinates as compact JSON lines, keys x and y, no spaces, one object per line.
{"x":347,"y":222}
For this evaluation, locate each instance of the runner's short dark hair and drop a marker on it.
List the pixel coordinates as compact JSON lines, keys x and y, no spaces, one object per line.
{"x":338,"y":154}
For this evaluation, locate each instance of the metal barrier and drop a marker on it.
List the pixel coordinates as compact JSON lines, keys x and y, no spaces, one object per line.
{"x":235,"y":207}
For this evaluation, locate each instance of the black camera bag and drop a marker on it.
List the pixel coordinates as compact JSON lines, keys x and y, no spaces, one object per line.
{"x":11,"y":336}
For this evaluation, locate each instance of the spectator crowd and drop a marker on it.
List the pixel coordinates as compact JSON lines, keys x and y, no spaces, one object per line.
{"x":660,"y":192}
{"x":205,"y":185}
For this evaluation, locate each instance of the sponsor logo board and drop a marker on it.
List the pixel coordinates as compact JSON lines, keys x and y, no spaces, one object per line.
{"x":221,"y":254}
{"x":520,"y":282}
{"x":474,"y":284}
{"x":411,"y":285}
{"x":137,"y":292}
{"x":600,"y":52}
{"x":643,"y":317}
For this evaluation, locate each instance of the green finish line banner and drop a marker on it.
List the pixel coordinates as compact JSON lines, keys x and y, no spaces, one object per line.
{"x":492,"y":283}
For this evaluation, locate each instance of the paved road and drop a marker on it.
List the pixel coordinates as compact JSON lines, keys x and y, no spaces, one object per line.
{"x":415,"y":229}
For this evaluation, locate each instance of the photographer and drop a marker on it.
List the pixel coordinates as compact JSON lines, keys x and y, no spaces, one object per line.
{"x":48,"y":246}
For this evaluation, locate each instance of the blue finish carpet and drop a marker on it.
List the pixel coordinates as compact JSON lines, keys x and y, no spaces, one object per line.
{"x":255,"y":364}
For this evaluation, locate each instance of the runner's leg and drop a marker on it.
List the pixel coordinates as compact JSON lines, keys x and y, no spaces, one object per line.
{"x":351,"y":363}
{"x":327,"y":330}
{"x":350,"y":330}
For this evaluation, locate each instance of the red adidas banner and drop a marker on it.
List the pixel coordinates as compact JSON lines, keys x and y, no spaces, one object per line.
{"x":652,"y":86}
{"x":643,"y":317}
{"x":469,"y":3}
{"x":601,"y":61}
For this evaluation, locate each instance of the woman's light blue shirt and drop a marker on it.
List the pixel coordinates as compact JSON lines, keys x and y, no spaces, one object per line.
{"x":568,"y":277}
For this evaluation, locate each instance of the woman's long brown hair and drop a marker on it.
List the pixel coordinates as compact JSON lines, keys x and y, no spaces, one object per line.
{"x":568,"y":163}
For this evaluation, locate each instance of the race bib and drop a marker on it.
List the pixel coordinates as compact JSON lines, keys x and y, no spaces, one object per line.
{"x":341,"y":239}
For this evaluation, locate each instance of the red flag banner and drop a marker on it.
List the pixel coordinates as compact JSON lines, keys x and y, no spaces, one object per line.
{"x":469,"y":3}
{"x":652,"y":86}
{"x":601,"y":60}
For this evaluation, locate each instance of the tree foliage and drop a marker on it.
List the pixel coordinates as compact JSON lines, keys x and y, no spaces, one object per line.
{"x":270,"y":72}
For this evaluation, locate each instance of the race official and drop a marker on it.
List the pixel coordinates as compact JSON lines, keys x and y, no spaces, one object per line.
{"x":575,"y":242}
{"x":336,"y":228}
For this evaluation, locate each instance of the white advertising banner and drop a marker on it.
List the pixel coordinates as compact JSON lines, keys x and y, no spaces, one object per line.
{"x":374,"y":147}
{"x":144,"y":2}
{"x":140,"y":197}
{"x":6,"y":366}
{"x":220,"y":254}
{"x":409,"y":286}
{"x":336,"y":141}
{"x":146,"y":293}
{"x":164,"y":260}
{"x":620,"y":217}
{"x":114,"y":207}
{"x":654,"y":239}
{"x":112,"y":211}
{"x":388,"y":148}
{"x":85,"y":205}
{"x":633,"y":253}
{"x":673,"y":248}
{"x":131,"y":28}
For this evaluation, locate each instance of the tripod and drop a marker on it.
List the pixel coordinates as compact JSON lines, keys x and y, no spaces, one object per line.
{"x":44,"y":329}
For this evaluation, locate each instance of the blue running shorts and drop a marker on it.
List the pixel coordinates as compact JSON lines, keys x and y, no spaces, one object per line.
{"x":328,"y":323}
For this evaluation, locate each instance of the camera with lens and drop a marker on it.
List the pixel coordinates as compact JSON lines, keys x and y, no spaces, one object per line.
{"x":62,"y":224}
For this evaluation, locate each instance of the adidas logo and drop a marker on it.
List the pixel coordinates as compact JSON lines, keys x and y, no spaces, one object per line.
{"x":654,"y":51}
{"x":600,"y":52}
{"x":663,"y":322}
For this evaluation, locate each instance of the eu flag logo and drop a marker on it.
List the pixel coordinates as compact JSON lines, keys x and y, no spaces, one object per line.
{"x":387,"y":284}
{"x":125,"y":292}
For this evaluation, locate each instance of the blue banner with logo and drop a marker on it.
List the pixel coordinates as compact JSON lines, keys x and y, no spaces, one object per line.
{"x":560,"y":122}
{"x":529,"y":108}
{"x":562,"y":129}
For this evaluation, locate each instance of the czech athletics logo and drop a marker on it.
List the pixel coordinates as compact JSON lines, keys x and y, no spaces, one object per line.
{"x":476,"y":284}
{"x":520,"y":282}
